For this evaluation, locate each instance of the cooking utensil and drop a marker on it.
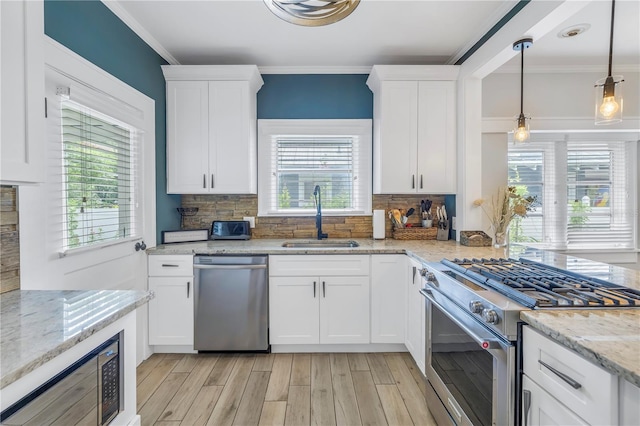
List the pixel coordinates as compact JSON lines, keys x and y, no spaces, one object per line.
{"x":410,"y":212}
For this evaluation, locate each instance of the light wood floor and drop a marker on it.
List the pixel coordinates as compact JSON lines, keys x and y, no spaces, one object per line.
{"x":282,"y":389}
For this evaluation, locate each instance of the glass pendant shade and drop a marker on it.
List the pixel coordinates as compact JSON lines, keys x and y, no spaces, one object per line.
{"x":312,"y":13}
{"x":521,"y":129}
{"x":608,"y":100}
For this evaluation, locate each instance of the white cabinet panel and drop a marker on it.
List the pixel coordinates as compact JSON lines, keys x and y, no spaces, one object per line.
{"x":294,"y":310}
{"x":414,"y":129}
{"x":545,"y":409}
{"x":22,"y":134}
{"x":344,"y":310}
{"x":161,"y":265}
{"x":388,"y":297}
{"x":415,"y":315}
{"x":211,"y":129}
{"x":326,"y":265}
{"x":171,"y":311}
{"x":187,"y":137}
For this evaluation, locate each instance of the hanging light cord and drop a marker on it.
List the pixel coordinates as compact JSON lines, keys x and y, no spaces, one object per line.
{"x":613,"y":8}
{"x":521,"y":78}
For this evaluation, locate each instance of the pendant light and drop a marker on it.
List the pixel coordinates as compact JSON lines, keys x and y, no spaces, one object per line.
{"x":521,"y":130}
{"x":608,"y":96}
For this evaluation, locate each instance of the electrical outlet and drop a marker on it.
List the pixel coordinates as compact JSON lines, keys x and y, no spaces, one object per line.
{"x":453,"y":222}
{"x":251,"y":220}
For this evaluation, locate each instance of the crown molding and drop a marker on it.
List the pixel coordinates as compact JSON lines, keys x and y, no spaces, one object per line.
{"x":567,"y":69}
{"x":136,"y":27}
{"x":315,"y":69}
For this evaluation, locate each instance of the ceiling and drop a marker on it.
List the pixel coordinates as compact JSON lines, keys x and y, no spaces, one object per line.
{"x":377,"y":32}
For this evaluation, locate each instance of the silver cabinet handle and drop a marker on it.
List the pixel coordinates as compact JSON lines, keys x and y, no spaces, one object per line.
{"x":414,"y":274}
{"x":563,"y":376}
{"x":420,"y":181}
{"x":169,"y":265}
{"x":324,"y":290}
{"x":413,"y":181}
{"x":314,"y":289}
{"x":204,"y":180}
{"x":526,"y":402}
{"x":212,"y":181}
{"x":188,"y":288}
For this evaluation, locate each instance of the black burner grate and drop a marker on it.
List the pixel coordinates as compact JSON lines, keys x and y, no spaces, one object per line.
{"x":536,"y":285}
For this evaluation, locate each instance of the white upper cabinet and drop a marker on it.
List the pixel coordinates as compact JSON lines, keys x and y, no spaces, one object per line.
{"x":22,"y":91}
{"x":211,"y":129}
{"x":414,"y":142}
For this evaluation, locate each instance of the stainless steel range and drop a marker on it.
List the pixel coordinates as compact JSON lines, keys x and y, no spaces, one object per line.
{"x":473,"y":317}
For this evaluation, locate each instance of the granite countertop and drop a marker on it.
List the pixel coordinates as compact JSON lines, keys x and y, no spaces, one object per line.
{"x":607,"y":337}
{"x":31,"y":335}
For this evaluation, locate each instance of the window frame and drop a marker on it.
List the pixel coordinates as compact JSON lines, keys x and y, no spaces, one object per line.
{"x":268,"y":129}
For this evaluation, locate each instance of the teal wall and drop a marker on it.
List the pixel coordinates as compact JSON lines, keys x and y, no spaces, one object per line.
{"x":315,"y":96}
{"x":92,"y":31}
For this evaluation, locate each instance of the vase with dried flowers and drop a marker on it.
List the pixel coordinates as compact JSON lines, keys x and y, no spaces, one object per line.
{"x":503,"y":207}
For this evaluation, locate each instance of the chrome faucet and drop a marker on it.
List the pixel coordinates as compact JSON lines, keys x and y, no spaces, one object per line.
{"x":318,"y":199}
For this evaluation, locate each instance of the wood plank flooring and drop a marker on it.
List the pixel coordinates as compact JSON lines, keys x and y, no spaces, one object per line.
{"x":282,"y":389}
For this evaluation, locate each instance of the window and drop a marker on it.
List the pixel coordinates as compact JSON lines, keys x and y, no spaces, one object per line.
{"x":586,"y":186}
{"x":98,"y":177}
{"x":298,"y":155}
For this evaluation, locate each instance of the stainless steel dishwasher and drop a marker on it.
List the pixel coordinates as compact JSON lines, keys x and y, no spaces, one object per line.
{"x":231,"y":303}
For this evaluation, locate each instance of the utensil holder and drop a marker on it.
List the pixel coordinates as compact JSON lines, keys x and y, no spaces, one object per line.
{"x":443,"y":232}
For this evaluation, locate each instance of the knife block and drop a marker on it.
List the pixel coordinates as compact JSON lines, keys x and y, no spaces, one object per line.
{"x":443,"y":234}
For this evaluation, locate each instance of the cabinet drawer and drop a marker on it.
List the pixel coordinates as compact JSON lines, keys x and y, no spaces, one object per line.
{"x":315,"y":265}
{"x":170,"y":265}
{"x":596,"y":398}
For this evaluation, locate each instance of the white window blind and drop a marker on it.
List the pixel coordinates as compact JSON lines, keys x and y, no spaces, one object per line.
{"x":293,"y":163}
{"x":98,"y":174}
{"x":587,"y":190}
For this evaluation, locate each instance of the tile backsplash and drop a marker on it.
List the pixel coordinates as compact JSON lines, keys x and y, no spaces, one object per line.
{"x":235,"y":207}
{"x":9,"y":239}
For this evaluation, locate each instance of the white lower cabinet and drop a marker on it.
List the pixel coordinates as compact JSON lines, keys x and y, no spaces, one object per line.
{"x":564,"y":387}
{"x":388,"y":298}
{"x":171,"y":310}
{"x":328,"y":304}
{"x":415,"y":315}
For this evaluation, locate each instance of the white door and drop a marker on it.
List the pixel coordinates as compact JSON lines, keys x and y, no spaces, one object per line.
{"x":415,"y":314}
{"x":388,"y":297}
{"x":294,"y":310}
{"x":114,"y":263}
{"x":188,"y":137}
{"x":543,"y":408}
{"x":171,"y":311}
{"x":344,"y":309}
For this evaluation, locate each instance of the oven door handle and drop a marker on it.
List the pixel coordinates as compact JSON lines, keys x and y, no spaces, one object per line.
{"x":484,"y":342}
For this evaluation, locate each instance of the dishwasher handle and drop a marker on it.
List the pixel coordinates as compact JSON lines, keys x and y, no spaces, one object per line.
{"x":236,"y":267}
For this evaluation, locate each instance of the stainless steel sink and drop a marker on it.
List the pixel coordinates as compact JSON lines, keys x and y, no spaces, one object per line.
{"x":320,"y":244}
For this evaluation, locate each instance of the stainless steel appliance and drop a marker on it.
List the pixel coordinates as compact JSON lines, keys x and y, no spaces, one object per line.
{"x":230,"y":230}
{"x":473,"y":310}
{"x":88,"y":392}
{"x":231,"y":303}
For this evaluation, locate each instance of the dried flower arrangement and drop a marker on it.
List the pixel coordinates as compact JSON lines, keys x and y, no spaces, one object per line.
{"x":504,"y":207}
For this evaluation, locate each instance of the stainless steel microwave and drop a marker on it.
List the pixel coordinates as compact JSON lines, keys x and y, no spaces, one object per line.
{"x":230,"y":230}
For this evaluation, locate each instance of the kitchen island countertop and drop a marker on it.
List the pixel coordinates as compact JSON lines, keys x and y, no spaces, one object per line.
{"x":38,"y":325}
{"x":608,"y":337}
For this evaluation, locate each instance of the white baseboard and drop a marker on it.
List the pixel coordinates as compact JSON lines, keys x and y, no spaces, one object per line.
{"x":173,"y":349}
{"x":373,"y":347}
{"x":136,"y":421}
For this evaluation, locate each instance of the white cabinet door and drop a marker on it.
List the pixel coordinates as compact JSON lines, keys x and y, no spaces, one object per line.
{"x":22,"y":112}
{"x":388,"y":297}
{"x":436,"y":137}
{"x":171,"y":311}
{"x":294,"y":310}
{"x":395,"y":138}
{"x":415,"y":315}
{"x":544,"y":409}
{"x":188,"y":137}
{"x":232,"y":138}
{"x":344,"y":310}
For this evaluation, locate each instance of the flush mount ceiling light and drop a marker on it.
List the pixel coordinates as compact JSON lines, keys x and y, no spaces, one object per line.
{"x":608,"y":96}
{"x":521,"y":131}
{"x":574,"y":30}
{"x":312,"y":13}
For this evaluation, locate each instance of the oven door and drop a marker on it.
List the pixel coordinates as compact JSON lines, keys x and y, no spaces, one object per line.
{"x":471,"y":369}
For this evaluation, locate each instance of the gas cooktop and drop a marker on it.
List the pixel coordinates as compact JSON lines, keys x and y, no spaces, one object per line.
{"x":536,"y":285}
